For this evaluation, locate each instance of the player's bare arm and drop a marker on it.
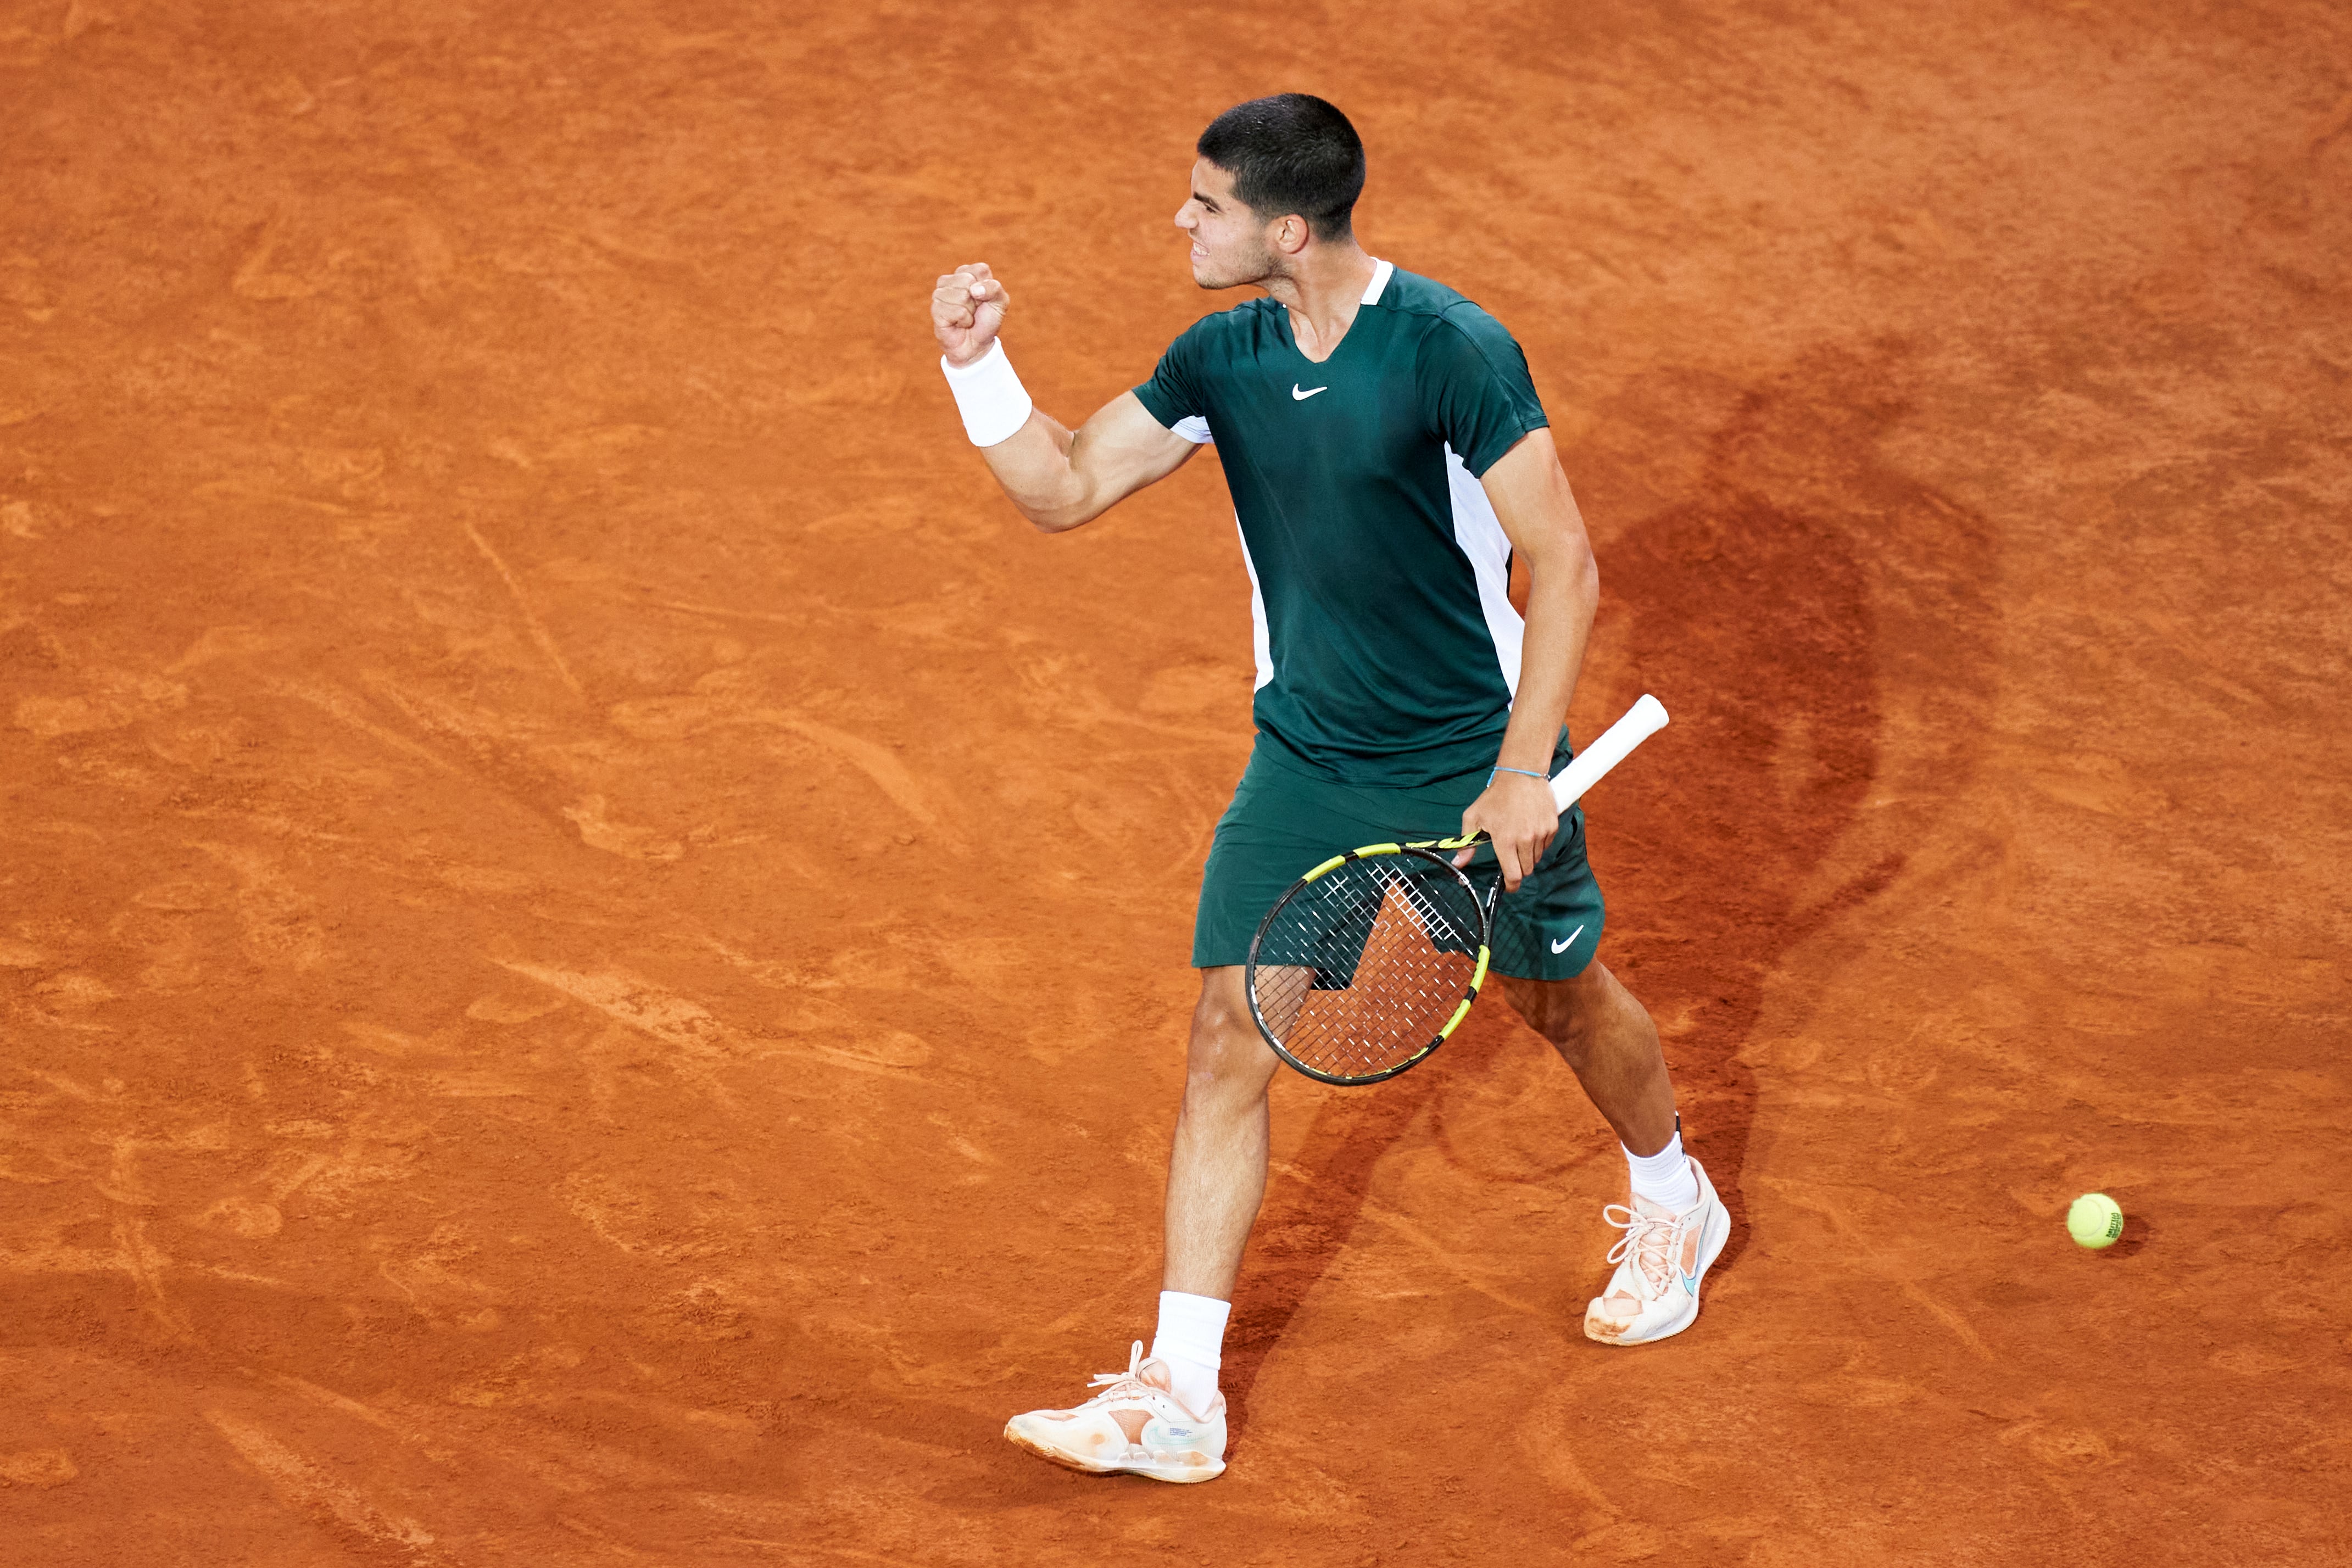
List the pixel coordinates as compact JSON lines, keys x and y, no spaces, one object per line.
{"x":1057,"y":478}
{"x":1537,"y":511}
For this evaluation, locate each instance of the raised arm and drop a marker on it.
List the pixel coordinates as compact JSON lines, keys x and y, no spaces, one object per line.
{"x":1058,"y":478}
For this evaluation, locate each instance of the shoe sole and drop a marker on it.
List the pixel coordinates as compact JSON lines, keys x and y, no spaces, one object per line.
{"x":1708,"y":1251}
{"x":1190,"y":1475}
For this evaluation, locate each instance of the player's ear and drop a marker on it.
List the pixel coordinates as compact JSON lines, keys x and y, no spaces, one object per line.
{"x":1291,"y":234}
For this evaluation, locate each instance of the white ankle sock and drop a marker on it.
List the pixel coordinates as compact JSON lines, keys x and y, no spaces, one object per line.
{"x":1191,"y":1340}
{"x":1665,"y":1178}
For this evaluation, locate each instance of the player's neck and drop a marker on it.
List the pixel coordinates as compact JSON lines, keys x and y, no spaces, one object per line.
{"x":1323,"y":287}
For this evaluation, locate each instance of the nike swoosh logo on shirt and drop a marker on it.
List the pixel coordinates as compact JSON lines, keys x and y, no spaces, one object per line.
{"x":1297,"y":396}
{"x":1561,"y":946}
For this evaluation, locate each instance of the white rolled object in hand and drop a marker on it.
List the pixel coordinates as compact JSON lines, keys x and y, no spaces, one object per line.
{"x":990,"y":396}
{"x":1641,"y":721}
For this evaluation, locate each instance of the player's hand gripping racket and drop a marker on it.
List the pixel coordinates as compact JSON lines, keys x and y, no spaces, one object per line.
{"x":1373,"y":957}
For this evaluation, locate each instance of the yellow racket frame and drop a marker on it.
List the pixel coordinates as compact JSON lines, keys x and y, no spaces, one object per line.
{"x":1429,"y":848}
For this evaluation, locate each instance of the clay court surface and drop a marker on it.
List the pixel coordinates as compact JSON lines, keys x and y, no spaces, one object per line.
{"x":594,"y":934}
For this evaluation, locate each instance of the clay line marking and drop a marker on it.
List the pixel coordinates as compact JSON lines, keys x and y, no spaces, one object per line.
{"x":122,"y":1185}
{"x":1465,"y":1272}
{"x":878,"y":763}
{"x":315,"y":1493}
{"x":1562,"y":1465}
{"x":243,"y":490}
{"x":1460,"y":1269}
{"x":56,"y":1081}
{"x":800,"y":1549}
{"x":1885,"y":1269}
{"x":1947,"y":1317}
{"x":539,"y":632}
{"x":287,"y":1187}
{"x":145,"y":1267}
{"x":1090,"y":1308}
{"x":253,"y":280}
{"x":332,"y":702}
{"x":406,"y":1431}
{"x":685,"y":1026}
{"x":239,"y":1275}
{"x":27,"y":1010}
{"x":720,"y":613}
{"x":284,"y":827}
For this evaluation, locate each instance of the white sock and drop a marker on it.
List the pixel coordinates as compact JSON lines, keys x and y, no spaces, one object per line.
{"x":1191,"y":1340}
{"x":1665,"y":1178}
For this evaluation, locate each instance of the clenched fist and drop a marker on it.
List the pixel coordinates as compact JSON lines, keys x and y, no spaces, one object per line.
{"x":968,"y":312}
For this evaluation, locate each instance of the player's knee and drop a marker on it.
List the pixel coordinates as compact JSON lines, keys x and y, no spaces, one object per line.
{"x":1225,"y":1056}
{"x":1565,"y":1012}
{"x":1222,"y":1012}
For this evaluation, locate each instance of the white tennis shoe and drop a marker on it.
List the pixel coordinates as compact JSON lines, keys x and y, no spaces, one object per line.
{"x":1135,"y":1427}
{"x":1660,"y":1260}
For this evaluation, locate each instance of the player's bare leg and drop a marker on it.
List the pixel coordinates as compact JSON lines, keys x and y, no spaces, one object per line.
{"x":1216,"y":1173}
{"x":1675,"y":1229}
{"x":1163,"y":1418}
{"x":1608,"y":1039}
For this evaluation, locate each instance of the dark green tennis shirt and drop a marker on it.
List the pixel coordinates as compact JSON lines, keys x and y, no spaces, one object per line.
{"x":1388,"y":651}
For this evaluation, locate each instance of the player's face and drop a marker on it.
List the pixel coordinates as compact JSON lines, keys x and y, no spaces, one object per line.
{"x":1228,"y":243}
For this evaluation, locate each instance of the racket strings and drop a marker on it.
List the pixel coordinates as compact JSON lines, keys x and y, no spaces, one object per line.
{"x":1364,"y":966}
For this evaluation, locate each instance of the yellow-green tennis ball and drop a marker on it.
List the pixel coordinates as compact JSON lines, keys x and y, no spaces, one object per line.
{"x":2095,"y":1220}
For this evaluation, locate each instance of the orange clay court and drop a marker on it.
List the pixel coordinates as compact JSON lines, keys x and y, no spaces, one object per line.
{"x":593,"y":932}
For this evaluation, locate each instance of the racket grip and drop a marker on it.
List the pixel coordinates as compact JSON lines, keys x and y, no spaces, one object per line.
{"x":1642,"y":720}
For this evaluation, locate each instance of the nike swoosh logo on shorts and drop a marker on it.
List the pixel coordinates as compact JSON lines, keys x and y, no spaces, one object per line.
{"x":1297,"y":396}
{"x":1561,"y":946}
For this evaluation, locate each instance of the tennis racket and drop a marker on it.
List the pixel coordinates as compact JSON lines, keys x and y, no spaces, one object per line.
{"x":1373,"y":958}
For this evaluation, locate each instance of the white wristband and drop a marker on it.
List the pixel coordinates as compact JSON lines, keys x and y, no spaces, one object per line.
{"x":993,"y":402}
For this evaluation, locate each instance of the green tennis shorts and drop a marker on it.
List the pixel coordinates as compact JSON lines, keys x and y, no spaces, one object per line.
{"x":1286,"y":821}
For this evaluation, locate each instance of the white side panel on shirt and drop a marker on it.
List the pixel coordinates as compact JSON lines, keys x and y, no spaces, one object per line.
{"x":1480,"y":534}
{"x":1261,"y":641}
{"x":1194,"y":428}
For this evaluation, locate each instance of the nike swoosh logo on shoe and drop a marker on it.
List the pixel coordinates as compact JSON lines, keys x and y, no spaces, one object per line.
{"x":1297,"y":396}
{"x":1561,"y":946}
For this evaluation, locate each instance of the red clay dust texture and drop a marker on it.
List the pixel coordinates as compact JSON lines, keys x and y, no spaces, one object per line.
{"x":594,"y":933}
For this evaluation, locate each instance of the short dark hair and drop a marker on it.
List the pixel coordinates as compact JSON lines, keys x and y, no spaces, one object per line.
{"x":1292,"y":152}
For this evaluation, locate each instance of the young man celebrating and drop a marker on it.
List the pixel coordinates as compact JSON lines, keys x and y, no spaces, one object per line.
{"x":1388,"y":461}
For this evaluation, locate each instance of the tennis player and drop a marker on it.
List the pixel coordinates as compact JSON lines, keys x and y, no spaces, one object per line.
{"x":1390,"y":463}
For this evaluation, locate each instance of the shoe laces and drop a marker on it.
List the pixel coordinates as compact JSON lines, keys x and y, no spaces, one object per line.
{"x":1123,"y":1384}
{"x":1648,"y":1240}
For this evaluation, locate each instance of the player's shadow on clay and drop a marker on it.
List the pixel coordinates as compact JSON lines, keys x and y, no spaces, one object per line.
{"x":1787,"y":606}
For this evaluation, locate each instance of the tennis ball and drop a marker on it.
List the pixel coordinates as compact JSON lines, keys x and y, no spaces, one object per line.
{"x":2095,"y":1220}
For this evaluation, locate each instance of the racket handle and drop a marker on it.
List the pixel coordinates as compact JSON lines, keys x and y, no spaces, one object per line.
{"x":1642,"y":720}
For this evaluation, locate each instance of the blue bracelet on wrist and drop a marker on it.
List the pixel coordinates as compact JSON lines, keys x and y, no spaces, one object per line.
{"x":1522,"y":772}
